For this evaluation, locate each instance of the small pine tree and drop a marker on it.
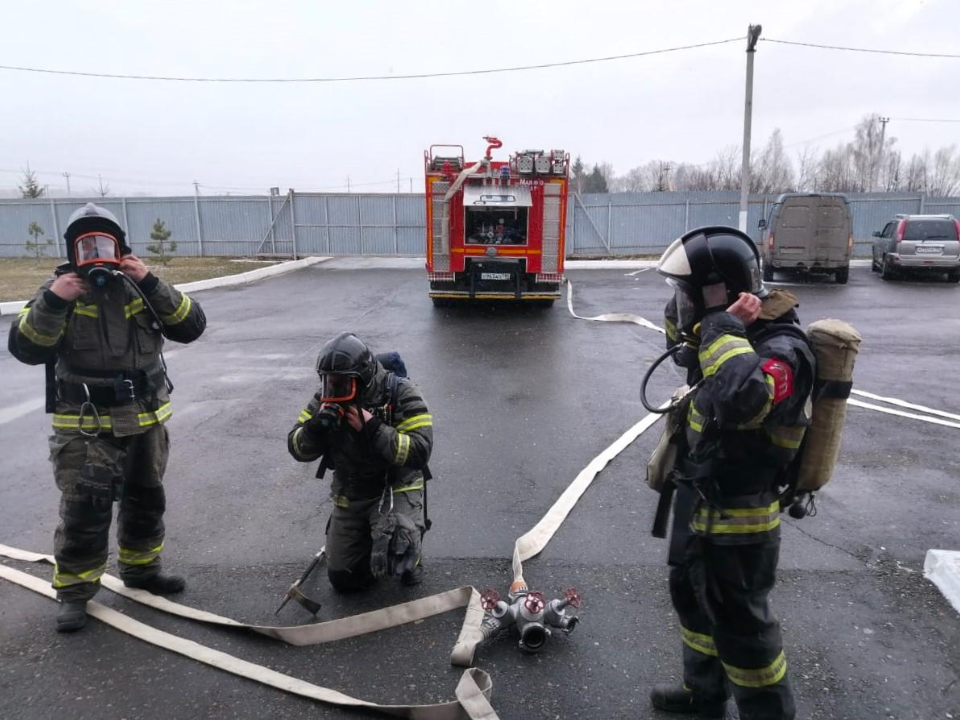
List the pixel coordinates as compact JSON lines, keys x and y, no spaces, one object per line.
{"x":30,"y":188}
{"x":162,"y":245}
{"x":34,"y":246}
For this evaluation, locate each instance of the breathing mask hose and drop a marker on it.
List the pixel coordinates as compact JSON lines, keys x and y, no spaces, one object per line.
{"x":646,"y":378}
{"x":156,"y":319}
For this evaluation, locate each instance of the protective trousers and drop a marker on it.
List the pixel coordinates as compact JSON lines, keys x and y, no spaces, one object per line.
{"x":350,"y":535}
{"x":91,"y":473}
{"x":720,"y":593}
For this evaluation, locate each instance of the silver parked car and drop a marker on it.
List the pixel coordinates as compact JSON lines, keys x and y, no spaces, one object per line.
{"x":808,"y":233}
{"x":918,"y":243}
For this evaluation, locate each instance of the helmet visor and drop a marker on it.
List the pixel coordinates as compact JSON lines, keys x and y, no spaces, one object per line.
{"x":338,"y":388}
{"x":96,"y":248}
{"x":686,"y":306}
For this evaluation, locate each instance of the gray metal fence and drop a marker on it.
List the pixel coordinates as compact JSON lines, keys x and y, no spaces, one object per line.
{"x":381,"y":224}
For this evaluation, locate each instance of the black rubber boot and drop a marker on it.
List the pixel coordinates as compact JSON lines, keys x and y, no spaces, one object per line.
{"x":71,"y":616}
{"x":412,"y":577}
{"x":680,"y":700}
{"x":159,"y":584}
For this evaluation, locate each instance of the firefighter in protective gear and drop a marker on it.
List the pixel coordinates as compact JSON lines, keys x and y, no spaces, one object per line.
{"x":744,"y":425}
{"x":109,"y":394}
{"x":375,"y":431}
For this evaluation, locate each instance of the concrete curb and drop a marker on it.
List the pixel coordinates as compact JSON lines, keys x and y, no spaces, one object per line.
{"x":15,"y":306}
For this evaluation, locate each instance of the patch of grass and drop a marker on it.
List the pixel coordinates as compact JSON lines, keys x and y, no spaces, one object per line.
{"x":20,"y":278}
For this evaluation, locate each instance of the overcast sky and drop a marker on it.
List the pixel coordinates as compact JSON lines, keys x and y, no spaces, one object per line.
{"x":159,"y":137}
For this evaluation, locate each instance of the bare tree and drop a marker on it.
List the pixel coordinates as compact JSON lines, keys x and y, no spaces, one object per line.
{"x":891,"y":174}
{"x":772,"y":171}
{"x":808,"y":169}
{"x":726,"y":168}
{"x":944,"y":174}
{"x":102,"y":189}
{"x":836,"y":170}
{"x":916,"y":173}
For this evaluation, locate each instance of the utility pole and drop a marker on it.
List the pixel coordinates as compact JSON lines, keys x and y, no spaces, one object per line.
{"x":411,"y":186}
{"x":398,"y":181}
{"x":196,"y":189}
{"x":753,"y":34}
{"x":67,"y":176}
{"x":348,"y":184}
{"x":876,"y":173}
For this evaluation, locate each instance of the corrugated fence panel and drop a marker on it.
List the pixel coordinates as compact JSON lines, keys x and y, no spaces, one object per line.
{"x":389,"y":224}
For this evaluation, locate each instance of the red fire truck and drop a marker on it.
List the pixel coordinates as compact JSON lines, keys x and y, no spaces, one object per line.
{"x":495,"y":229}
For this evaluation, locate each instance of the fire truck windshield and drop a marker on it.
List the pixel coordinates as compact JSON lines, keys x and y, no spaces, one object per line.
{"x":496,"y":225}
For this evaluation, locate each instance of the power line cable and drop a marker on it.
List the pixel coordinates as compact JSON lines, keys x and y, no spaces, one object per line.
{"x":933,"y":120}
{"x":362,"y":78}
{"x":857,"y":49}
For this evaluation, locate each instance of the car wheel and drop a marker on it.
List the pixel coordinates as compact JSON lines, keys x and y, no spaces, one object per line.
{"x":768,"y":272}
{"x":953,"y":277}
{"x":886,"y":270}
{"x":842,"y":276}
{"x":874,"y":265}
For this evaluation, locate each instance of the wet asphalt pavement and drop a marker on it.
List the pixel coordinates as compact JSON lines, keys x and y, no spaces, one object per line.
{"x":522,"y":399}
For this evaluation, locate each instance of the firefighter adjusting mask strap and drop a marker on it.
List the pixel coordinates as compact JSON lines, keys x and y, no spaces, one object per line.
{"x":338,"y":388}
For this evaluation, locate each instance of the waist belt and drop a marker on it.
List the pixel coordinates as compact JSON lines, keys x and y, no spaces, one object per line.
{"x":124,"y":386}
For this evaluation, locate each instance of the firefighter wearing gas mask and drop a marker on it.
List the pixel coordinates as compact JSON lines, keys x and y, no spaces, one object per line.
{"x":753,"y":371}
{"x":375,"y":431}
{"x":98,"y":325}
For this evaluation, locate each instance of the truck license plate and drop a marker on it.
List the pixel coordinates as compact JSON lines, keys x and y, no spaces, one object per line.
{"x":494,"y":276}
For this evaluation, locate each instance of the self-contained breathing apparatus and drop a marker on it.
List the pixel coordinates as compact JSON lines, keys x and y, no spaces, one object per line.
{"x":834,"y":346}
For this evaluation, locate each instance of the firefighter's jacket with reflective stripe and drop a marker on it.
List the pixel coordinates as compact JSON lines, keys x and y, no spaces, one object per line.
{"x":108,"y":330}
{"x":744,"y":424}
{"x":384,"y":453}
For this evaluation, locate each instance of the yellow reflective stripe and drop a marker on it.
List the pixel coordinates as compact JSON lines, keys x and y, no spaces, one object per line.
{"x":721,"y":350}
{"x":132,"y":308}
{"x":415,"y":485}
{"x":304,"y":415}
{"x":403,"y":449}
{"x":72,"y":422}
{"x":152,"y":418}
{"x":38,"y":338}
{"x":739,"y":521}
{"x":694,"y":419}
{"x":761,"y":677}
{"x":670,"y":329}
{"x":180,"y":313}
{"x":296,"y":441}
{"x":417,"y":421}
{"x":757,"y":421}
{"x":341,"y":501}
{"x":62,"y":579}
{"x":787,"y":437}
{"x":87,"y":310}
{"x":697,"y":641}
{"x":139,"y":557}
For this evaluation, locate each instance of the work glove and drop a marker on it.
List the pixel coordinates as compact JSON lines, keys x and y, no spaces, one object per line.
{"x":405,"y":547}
{"x":327,"y":418}
{"x":396,"y":545}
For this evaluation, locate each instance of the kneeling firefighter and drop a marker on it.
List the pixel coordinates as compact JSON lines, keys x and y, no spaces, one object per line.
{"x":373,"y":428}
{"x":98,"y":325}
{"x":752,"y":370}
